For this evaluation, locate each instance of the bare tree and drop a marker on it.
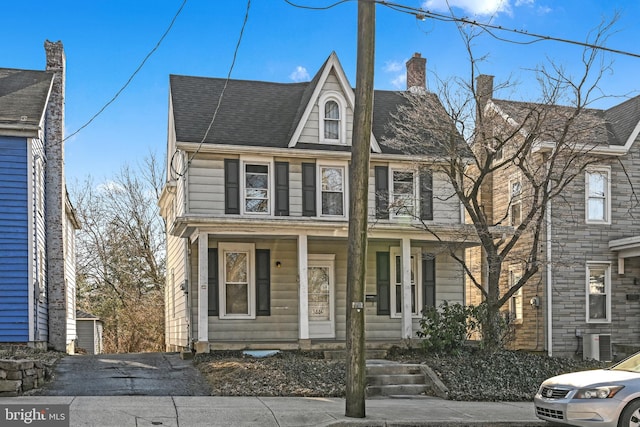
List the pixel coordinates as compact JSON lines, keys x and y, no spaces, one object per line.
{"x":120,"y":257}
{"x":547,"y":144}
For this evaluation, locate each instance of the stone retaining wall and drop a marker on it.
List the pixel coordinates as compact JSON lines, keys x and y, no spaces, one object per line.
{"x":19,"y":376}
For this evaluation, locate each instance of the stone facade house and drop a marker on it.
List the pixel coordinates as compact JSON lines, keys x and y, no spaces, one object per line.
{"x":37,"y":221}
{"x":256,"y":209}
{"x":585,"y":300}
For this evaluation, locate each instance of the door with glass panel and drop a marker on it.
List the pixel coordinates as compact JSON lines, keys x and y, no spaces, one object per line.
{"x":321,"y":296}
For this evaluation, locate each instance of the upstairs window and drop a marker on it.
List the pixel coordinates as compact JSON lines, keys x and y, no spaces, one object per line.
{"x":515,"y":202}
{"x":332,"y":118}
{"x":598,"y":201}
{"x":256,"y":189}
{"x":403,"y":193}
{"x":332,"y":190}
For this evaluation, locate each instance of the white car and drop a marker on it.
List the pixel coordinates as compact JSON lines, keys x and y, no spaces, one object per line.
{"x":602,"y":397}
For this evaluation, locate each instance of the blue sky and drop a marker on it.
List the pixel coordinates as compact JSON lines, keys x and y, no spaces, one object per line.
{"x":105,"y":41}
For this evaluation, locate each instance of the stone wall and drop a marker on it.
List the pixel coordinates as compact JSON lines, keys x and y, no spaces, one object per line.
{"x":19,"y":376}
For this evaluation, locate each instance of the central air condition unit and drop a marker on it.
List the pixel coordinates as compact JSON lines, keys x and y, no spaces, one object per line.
{"x":597,"y":347}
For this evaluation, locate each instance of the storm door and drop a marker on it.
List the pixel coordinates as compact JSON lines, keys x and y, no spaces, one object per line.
{"x":321,"y":296}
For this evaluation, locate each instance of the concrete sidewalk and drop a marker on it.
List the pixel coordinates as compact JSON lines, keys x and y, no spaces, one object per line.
{"x":186,"y":411}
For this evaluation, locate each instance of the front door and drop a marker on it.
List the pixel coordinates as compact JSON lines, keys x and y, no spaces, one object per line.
{"x":321,"y":296}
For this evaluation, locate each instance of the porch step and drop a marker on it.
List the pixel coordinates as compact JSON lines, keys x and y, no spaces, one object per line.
{"x":342,"y":354}
{"x":389,"y":379}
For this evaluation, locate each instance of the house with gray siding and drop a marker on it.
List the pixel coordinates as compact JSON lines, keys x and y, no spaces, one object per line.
{"x":585,"y":301}
{"x":256,"y":207}
{"x":34,"y":200}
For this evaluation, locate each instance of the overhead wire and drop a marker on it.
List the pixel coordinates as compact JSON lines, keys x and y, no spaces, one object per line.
{"x":423,"y":14}
{"x":130,"y":79}
{"x":219,"y":103}
{"x":488,"y":28}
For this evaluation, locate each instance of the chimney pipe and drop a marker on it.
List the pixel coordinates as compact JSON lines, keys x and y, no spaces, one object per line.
{"x":417,"y":73}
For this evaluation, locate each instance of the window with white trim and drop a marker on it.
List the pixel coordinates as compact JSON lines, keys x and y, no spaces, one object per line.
{"x":332,"y":190}
{"x":598,"y":292}
{"x":396,"y":282}
{"x":257,"y":192}
{"x":515,"y":303}
{"x":403,"y":193}
{"x":597,"y":193}
{"x":515,"y":201}
{"x":332,"y":118}
{"x":237,"y":283}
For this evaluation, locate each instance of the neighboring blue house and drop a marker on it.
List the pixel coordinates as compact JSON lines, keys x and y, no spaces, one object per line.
{"x":37,"y":222}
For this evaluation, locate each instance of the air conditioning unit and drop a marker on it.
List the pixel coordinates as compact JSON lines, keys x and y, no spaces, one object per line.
{"x":597,"y":347}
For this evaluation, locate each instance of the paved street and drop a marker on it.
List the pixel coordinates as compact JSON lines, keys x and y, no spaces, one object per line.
{"x":134,"y":374}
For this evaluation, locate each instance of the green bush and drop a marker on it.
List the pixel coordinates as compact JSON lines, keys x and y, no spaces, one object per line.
{"x":446,"y":328}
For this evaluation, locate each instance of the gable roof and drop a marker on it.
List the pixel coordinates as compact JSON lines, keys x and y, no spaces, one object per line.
{"x":23,"y":97}
{"x":265,"y":114}
{"x":613,"y":129}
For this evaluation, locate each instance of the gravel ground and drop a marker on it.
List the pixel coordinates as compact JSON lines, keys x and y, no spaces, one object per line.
{"x":500,"y":376}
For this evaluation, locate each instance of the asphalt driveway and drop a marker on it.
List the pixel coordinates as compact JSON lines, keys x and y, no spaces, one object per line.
{"x":133,"y":374}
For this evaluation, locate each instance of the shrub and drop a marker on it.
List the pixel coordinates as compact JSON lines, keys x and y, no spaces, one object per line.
{"x":446,"y":328}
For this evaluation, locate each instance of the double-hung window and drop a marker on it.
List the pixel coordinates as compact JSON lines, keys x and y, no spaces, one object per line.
{"x":332,"y":190}
{"x":397,"y":278}
{"x":237,"y":284}
{"x":598,"y":196}
{"x":403,"y":193}
{"x":332,"y":117}
{"x":515,"y":304}
{"x":257,"y":192}
{"x":598,"y":292}
{"x":515,"y":201}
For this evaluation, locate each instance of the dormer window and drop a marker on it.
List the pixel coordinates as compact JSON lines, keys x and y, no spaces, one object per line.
{"x":332,"y":119}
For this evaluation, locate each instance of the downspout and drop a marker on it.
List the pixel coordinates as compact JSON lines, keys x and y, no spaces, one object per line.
{"x":549,"y":276}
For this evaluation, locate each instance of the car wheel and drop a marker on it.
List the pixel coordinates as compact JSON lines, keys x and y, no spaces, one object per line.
{"x":630,"y":417}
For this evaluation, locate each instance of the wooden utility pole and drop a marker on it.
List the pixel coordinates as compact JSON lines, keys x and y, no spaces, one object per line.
{"x":358,"y":212}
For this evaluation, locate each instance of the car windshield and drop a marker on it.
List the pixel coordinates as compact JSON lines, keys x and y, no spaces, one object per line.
{"x":631,"y":364}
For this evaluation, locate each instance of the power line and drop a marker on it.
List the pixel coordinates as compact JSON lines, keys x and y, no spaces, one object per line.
{"x":220,"y":97}
{"x":104,"y":107}
{"x":423,"y":14}
{"x":300,"y":6}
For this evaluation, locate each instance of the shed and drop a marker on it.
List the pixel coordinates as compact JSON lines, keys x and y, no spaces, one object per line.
{"x":89,"y":329}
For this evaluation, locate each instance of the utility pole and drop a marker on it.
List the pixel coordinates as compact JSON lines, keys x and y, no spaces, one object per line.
{"x":358,"y":212}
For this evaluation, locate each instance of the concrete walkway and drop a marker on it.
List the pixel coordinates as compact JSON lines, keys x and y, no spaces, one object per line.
{"x":185,"y":411}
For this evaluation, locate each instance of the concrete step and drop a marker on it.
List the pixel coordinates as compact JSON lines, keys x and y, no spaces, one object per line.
{"x":393,"y":369}
{"x":342,"y":354}
{"x":397,"y":390}
{"x":395,"y":379}
{"x":385,"y":378}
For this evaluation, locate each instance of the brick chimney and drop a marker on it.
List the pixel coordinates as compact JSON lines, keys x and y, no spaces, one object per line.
{"x":417,"y":73}
{"x":55,"y":197}
{"x":484,"y":90}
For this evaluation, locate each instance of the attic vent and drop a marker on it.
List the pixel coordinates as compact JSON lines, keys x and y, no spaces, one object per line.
{"x":23,"y":118}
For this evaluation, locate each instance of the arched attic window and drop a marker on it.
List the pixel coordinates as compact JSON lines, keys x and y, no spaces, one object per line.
{"x":332,"y":119}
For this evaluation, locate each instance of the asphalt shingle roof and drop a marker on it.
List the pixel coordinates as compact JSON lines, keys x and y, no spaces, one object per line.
{"x":608,"y":127}
{"x":260,"y":114}
{"x":23,"y":96}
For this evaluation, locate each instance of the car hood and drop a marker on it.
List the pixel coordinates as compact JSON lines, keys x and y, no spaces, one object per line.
{"x":592,"y":378}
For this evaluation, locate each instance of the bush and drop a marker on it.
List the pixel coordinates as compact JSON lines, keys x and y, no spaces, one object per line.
{"x":445,"y":329}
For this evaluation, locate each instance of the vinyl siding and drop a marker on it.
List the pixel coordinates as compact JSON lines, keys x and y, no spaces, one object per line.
{"x":14,"y":242}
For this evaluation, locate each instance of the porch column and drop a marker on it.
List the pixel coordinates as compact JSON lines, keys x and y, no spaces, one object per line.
{"x":406,"y":289}
{"x":303,"y":294}
{"x":202,"y":346}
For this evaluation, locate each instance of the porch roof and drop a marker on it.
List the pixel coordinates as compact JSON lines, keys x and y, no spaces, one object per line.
{"x":626,"y":247}
{"x":281,"y":227}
